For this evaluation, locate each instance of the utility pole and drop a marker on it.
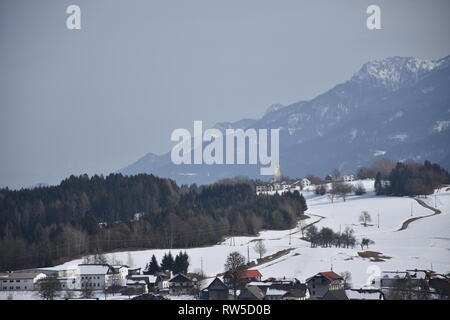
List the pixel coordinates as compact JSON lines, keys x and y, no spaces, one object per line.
{"x":231,"y":239}
{"x":435,"y":202}
{"x":411,"y":209}
{"x":378,"y":220}
{"x":201,"y":264}
{"x":290,"y":233}
{"x":248,"y":254}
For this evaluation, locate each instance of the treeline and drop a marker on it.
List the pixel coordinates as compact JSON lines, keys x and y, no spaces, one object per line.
{"x":340,"y":189}
{"x":407,"y":178}
{"x":327,"y":238}
{"x":88,"y":215}
{"x":412,"y":178}
{"x":179,"y":264}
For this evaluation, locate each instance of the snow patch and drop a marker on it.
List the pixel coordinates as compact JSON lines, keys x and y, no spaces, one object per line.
{"x":377,"y":153}
{"x":353,"y":134}
{"x":399,"y":137}
{"x":441,"y":125}
{"x":395,"y":116}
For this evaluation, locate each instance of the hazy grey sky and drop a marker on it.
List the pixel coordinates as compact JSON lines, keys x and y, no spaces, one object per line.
{"x":96,"y":99}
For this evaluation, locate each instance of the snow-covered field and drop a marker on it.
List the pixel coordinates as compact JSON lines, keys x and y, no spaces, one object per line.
{"x":424,"y":244}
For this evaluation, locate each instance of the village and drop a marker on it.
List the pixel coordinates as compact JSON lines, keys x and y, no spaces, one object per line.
{"x":104,"y":281}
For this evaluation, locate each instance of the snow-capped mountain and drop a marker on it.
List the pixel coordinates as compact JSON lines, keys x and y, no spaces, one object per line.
{"x":395,"y":73}
{"x":397,"y":108}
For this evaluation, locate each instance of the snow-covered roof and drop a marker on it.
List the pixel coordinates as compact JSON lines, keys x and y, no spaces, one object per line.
{"x":131,"y":282}
{"x":275,"y":292}
{"x":418,"y":274}
{"x":151,"y":279}
{"x":93,"y":268}
{"x":24,"y":275}
{"x":363,"y":294}
{"x":259,"y":283}
{"x":393,"y":274}
{"x":282,"y":279}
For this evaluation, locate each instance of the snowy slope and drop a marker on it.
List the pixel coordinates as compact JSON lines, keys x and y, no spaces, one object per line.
{"x":425,"y":243}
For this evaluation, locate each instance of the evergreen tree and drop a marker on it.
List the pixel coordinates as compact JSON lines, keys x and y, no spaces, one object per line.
{"x":303,"y":204}
{"x":185,"y":263}
{"x":177,"y":264}
{"x":378,"y":187}
{"x":153,"y":266}
{"x":167,"y":262}
{"x":181,"y":264}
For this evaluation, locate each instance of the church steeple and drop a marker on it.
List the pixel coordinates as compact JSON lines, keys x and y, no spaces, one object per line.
{"x":277,"y":173}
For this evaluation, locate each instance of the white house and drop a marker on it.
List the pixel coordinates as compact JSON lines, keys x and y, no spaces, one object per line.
{"x":162,"y":281}
{"x":181,"y":284}
{"x":264,"y":188}
{"x":69,"y":283}
{"x":277,"y":186}
{"x":95,"y":276}
{"x":285,"y":186}
{"x":137,"y":285}
{"x":348,"y":178}
{"x":138,"y":216}
{"x":260,"y":189}
{"x":120,"y":274}
{"x":305,"y":182}
{"x":21,"y":281}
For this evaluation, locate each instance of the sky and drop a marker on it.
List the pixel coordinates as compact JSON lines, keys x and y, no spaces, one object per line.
{"x":95,"y":100}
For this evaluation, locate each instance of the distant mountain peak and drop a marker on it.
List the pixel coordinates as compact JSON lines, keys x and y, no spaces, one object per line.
{"x":396,"y":72}
{"x":151,"y":157}
{"x":273,"y":108}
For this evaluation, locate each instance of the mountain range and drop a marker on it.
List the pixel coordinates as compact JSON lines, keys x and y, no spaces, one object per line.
{"x":396,"y":108}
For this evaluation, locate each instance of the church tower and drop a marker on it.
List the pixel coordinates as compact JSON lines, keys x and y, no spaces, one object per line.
{"x":277,"y":173}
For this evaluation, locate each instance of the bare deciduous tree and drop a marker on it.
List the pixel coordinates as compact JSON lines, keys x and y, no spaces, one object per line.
{"x":87,"y":291}
{"x":49,"y":288}
{"x":347,"y":276}
{"x":366,"y":242}
{"x":336,"y":174}
{"x":302,"y":226}
{"x":365,"y":218}
{"x":260,"y":248}
{"x":235,"y":266}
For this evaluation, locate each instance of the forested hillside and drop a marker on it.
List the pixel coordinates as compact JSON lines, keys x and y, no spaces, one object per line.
{"x":85,"y":215}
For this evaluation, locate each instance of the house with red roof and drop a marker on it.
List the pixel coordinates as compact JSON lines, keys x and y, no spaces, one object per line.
{"x":325,"y":284}
{"x":245,"y":276}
